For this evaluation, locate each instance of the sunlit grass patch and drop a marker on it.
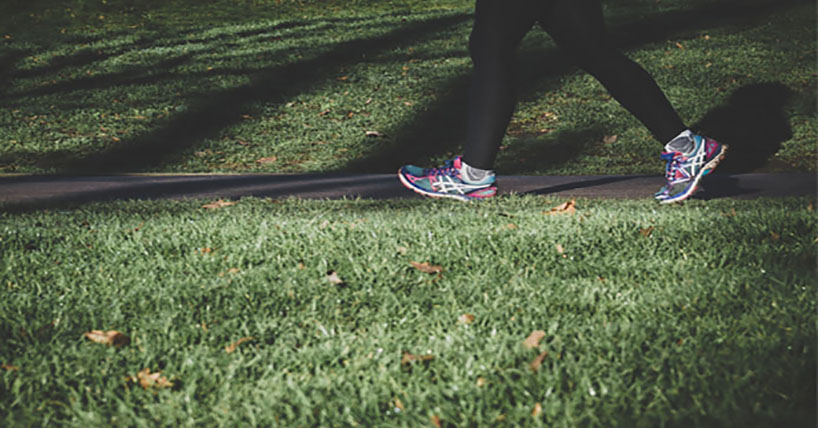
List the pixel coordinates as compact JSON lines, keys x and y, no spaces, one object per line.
{"x":702,"y":314}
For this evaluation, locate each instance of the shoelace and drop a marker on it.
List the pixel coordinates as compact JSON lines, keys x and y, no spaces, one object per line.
{"x":447,"y":169}
{"x":673,"y":165}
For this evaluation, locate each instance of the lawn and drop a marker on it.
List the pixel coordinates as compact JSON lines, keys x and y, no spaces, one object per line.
{"x":285,"y":86}
{"x":695,"y":315}
{"x":261,"y":312}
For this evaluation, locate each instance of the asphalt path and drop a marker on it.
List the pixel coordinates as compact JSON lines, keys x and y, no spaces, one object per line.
{"x":33,"y":192}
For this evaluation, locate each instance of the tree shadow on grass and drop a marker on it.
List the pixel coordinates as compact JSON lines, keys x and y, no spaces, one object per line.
{"x":225,"y":108}
{"x":440,"y":131}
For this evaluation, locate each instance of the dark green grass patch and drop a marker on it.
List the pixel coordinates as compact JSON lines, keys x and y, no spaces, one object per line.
{"x":693,"y":315}
{"x":286,"y":86}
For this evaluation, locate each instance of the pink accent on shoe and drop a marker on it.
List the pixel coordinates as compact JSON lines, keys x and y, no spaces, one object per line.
{"x":458,"y":163}
{"x":484,"y":193}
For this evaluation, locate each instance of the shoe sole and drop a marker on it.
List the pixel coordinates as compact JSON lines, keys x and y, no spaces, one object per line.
{"x":434,"y":195}
{"x":690,"y":190}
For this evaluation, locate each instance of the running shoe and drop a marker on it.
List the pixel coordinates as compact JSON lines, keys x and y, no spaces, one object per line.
{"x":684,"y":170}
{"x":446,"y":182}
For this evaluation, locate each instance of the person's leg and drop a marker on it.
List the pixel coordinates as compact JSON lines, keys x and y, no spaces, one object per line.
{"x":498,"y":28}
{"x":577,"y":27}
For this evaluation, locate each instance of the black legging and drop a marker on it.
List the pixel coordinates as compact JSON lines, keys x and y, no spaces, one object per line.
{"x":577,"y":27}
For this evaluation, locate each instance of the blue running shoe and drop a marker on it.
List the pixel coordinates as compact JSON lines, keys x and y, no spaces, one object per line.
{"x":684,"y":170}
{"x":446,"y":182}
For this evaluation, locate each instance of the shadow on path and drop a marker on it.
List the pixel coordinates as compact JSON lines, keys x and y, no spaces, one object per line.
{"x":29,"y":193}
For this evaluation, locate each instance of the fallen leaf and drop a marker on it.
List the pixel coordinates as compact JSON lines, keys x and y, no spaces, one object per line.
{"x":403,"y":250}
{"x":435,"y":421}
{"x":569,"y":208}
{"x":511,"y":226}
{"x":108,"y":338}
{"x":679,"y":45}
{"x":334,"y":279}
{"x":146,"y":379}
{"x":481,"y":381}
{"x":342,"y":78}
{"x":409,"y":358}
{"x":373,"y":134}
{"x":646,"y":231}
{"x":610,"y":139}
{"x":732,"y":213}
{"x":425,"y":267}
{"x":207,"y":250}
{"x":533,"y":339}
{"x":535,"y":365}
{"x":465,"y":319}
{"x":399,"y":404}
{"x":267,"y":160}
{"x":228,"y":271}
{"x":774,"y":236}
{"x":221,"y":203}
{"x":537,"y":410}
{"x":234,"y":345}
{"x":9,"y":368}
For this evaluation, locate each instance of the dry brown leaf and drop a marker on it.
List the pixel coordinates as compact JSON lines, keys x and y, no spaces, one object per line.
{"x":537,"y":410}
{"x":234,"y":345}
{"x":774,"y":236}
{"x":646,"y":231}
{"x":537,"y":362}
{"x":221,"y":203}
{"x":511,"y":226}
{"x":207,"y":250}
{"x":409,"y":358}
{"x":108,"y":338}
{"x":425,"y":267}
{"x":9,"y":368}
{"x":610,"y":139}
{"x":229,"y":271}
{"x":679,"y":45}
{"x":533,"y":339}
{"x":399,"y":404}
{"x":569,"y":208}
{"x":465,"y":319}
{"x":146,"y":379}
{"x":481,"y":381}
{"x":271,"y":159}
{"x":732,"y":213}
{"x":435,"y":419}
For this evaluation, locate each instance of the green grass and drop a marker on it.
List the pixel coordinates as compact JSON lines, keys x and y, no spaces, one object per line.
{"x":695,"y":315}
{"x":119,"y":86}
